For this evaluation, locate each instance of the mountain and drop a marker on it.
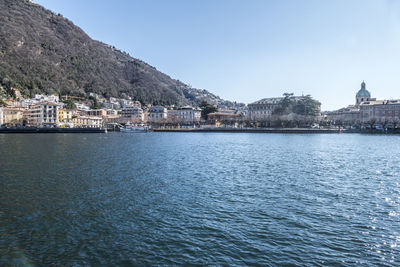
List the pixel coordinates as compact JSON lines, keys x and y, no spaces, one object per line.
{"x":43,"y":52}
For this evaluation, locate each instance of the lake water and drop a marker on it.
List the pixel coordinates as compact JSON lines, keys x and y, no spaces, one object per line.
{"x":199,"y":199}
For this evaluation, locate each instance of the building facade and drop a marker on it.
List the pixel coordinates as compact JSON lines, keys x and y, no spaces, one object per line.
{"x":44,"y":114}
{"x":225,"y":118}
{"x":381,"y":112}
{"x":132,"y":114}
{"x":188,"y":115}
{"x":65,"y":115}
{"x":264,"y":108}
{"x":96,"y":112}
{"x":1,"y":117}
{"x":351,"y":114}
{"x":344,"y":116}
{"x":87,"y":122}
{"x":157,"y":114}
{"x":13,"y":116}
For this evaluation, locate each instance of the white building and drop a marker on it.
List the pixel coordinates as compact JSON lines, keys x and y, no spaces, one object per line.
{"x":26,"y":103}
{"x":189,"y":115}
{"x":1,"y":117}
{"x":157,"y":114}
{"x":128,"y":103}
{"x":44,"y":114}
{"x":80,"y":106}
{"x":47,"y":98}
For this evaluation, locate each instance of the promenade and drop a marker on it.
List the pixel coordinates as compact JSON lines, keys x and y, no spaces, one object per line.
{"x":251,"y":130}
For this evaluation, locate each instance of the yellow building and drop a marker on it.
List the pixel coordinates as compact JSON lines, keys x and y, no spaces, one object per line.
{"x":65,"y":115}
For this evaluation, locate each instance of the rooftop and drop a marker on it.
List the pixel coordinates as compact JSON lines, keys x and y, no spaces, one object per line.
{"x":363,"y":92}
{"x":381,"y":102}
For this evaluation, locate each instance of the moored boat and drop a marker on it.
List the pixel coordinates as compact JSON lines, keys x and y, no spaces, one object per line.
{"x":134,"y":128}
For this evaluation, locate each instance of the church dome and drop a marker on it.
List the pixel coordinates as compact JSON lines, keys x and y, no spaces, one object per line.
{"x":363,"y":92}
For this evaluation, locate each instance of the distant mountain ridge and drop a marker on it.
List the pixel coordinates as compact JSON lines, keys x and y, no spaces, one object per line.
{"x":43,"y":52}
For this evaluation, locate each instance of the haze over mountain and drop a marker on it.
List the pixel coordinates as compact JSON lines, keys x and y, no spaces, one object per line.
{"x":43,"y":52}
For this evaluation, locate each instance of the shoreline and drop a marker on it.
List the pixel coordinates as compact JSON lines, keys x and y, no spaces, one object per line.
{"x":198,"y":130}
{"x":249,"y":130}
{"x":277,"y":130}
{"x":50,"y":130}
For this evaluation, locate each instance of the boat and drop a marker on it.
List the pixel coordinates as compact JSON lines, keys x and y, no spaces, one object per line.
{"x":129,"y":128}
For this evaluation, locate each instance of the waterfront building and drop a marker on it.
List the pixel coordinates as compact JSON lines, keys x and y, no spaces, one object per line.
{"x":351,"y":114}
{"x":264,"y":108}
{"x":172,"y":117}
{"x":111,"y":119}
{"x":157,"y":114}
{"x":189,"y":115}
{"x":26,"y":113}
{"x":13,"y":116}
{"x":367,"y":111}
{"x":225,"y":118}
{"x":344,"y":116}
{"x":44,"y":114}
{"x":132,"y":114}
{"x":183,"y":116}
{"x":382,"y":112}
{"x":65,"y":115}
{"x":87,"y":122}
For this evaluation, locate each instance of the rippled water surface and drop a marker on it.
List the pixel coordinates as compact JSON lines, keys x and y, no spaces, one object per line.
{"x":200,"y":198}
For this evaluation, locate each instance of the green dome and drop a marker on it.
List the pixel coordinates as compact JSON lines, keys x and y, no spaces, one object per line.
{"x":363,"y":92}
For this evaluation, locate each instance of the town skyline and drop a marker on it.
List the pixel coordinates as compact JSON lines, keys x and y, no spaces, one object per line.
{"x":267,"y":48}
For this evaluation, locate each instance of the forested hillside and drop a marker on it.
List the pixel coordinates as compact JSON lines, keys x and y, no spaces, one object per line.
{"x":43,"y":52}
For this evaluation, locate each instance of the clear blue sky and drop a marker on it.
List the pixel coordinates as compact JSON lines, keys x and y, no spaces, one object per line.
{"x":245,"y":50}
